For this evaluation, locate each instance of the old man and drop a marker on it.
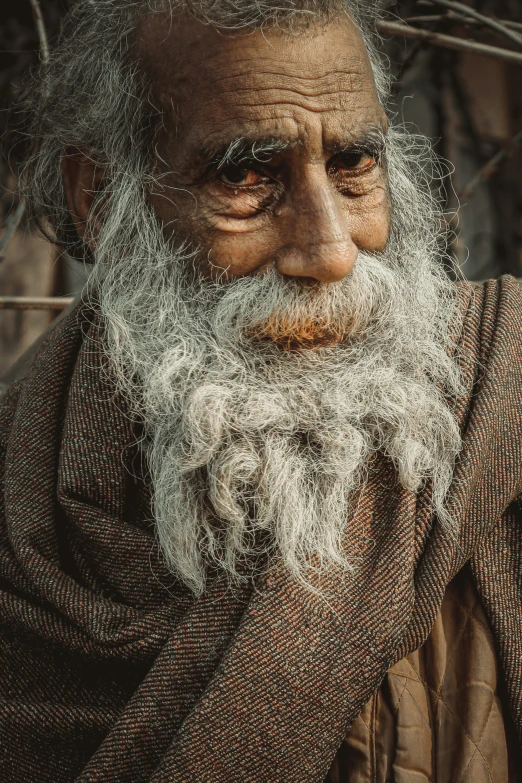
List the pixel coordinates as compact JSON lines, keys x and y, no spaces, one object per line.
{"x":260,"y":510}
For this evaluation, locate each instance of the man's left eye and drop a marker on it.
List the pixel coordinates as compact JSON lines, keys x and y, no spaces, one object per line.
{"x":355,"y":162}
{"x":241,"y":177}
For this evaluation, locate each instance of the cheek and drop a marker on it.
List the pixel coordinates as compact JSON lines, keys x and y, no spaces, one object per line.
{"x":241,"y":247}
{"x":239,"y":254}
{"x":370,"y":221}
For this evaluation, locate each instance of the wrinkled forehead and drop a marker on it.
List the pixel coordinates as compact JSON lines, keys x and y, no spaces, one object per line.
{"x":208,"y":79}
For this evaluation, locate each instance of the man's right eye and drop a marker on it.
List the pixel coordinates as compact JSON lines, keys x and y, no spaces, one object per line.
{"x":241,"y":177}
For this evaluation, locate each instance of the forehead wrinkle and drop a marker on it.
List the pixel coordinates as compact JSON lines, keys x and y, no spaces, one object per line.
{"x":268,"y":90}
{"x":309,"y":108}
{"x":265,"y":96}
{"x":269,"y":107}
{"x":330,"y":84}
{"x":251,"y":69}
{"x":194,"y":58}
{"x":294,"y":90}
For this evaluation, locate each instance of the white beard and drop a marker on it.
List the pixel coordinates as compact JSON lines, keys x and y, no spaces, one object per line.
{"x":255,"y":450}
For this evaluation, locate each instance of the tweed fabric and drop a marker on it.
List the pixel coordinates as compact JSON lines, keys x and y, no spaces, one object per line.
{"x":110,"y":672}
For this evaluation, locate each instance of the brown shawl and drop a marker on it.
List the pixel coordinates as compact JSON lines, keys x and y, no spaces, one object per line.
{"x":109,"y":671}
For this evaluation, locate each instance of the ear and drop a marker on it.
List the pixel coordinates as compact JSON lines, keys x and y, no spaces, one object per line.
{"x":82,"y":180}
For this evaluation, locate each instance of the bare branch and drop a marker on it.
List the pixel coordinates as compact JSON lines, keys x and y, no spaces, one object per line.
{"x":485,"y":20}
{"x":431,"y":18}
{"x":490,"y":168}
{"x":14,"y":220}
{"x":452,"y":16}
{"x":12,"y":223}
{"x":35,"y":302}
{"x":513,"y":25}
{"x":449,"y":41}
{"x":40,"y":27}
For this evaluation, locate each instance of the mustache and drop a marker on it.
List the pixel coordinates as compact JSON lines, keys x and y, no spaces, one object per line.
{"x":300,"y":333}
{"x":304,"y":318}
{"x":295,"y":316}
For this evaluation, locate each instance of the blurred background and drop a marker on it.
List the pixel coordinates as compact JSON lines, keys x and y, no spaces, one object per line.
{"x":459,"y":72}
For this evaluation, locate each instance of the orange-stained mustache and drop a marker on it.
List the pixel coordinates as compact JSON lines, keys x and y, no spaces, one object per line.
{"x":302,"y":334}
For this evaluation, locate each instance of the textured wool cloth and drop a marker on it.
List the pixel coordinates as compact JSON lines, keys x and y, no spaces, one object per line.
{"x":110,"y":671}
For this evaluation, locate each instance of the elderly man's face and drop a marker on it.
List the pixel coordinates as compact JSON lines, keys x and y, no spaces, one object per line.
{"x":264,"y":399}
{"x":269,"y":153}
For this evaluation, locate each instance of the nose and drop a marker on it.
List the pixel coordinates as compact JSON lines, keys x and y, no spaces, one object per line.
{"x":317,"y":244}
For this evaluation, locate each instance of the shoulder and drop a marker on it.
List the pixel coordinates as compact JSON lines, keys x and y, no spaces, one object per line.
{"x":32,"y":375}
{"x":489,"y":341}
{"x":490,"y":353}
{"x":492,"y":318}
{"x":8,"y":404}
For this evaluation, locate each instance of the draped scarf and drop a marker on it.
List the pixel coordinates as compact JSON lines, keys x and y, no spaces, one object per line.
{"x":111,"y":671}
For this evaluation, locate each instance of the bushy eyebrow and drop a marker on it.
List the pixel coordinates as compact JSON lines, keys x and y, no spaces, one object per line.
{"x":371,"y":140}
{"x":240,"y":150}
{"x":243,"y":150}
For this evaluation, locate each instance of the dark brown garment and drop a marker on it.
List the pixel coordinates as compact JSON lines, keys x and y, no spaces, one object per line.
{"x":110,"y":672}
{"x":437,"y":716}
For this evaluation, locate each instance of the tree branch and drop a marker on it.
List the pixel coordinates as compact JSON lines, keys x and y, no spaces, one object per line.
{"x":465,"y":10}
{"x":12,"y":223}
{"x":452,"y":16}
{"x":35,"y":302}
{"x":14,"y":220}
{"x":40,"y":27}
{"x":490,"y":168}
{"x":448,"y":41}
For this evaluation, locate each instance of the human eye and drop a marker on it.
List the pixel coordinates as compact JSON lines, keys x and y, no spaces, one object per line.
{"x":355,"y":163}
{"x":241,"y":176}
{"x":357,"y":171}
{"x":242,"y":189}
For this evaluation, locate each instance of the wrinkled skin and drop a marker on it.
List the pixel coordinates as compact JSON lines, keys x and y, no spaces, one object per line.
{"x":314,"y":192}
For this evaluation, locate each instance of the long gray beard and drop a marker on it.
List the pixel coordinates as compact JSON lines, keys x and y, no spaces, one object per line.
{"x":256,"y":451}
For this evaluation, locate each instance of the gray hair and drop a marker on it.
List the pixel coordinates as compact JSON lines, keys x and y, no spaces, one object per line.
{"x":93,"y":95}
